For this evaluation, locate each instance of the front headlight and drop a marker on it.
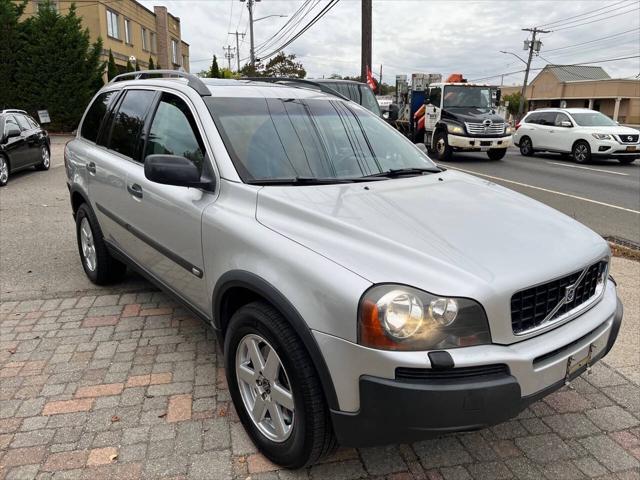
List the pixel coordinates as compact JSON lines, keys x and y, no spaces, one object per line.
{"x":455,"y":128}
{"x":397,"y":317}
{"x":508,"y":130}
{"x":601,"y":136}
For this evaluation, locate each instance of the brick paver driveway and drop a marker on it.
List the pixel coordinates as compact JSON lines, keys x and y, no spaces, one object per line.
{"x":129,"y":386}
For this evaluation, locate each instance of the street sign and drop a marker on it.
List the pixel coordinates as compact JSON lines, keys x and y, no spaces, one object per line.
{"x":43,"y":116}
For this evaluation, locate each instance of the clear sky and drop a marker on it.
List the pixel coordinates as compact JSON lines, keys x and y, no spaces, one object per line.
{"x":427,"y":36}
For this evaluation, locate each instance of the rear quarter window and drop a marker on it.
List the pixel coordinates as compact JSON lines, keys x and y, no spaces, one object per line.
{"x":95,"y":114}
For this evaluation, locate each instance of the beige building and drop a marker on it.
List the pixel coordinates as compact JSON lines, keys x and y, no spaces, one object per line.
{"x":583,"y":87}
{"x":129,"y":29}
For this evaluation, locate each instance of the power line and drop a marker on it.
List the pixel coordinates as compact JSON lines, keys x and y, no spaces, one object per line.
{"x":290,"y":25}
{"x":597,"y":20}
{"x":322,"y":13}
{"x":594,"y":40}
{"x":581,"y":14}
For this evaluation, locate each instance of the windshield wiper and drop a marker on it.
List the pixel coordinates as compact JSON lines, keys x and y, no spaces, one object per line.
{"x":299,"y":181}
{"x":398,"y":172}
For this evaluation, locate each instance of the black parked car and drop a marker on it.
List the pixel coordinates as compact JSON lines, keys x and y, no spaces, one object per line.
{"x":359,"y":92}
{"x":23,"y":144}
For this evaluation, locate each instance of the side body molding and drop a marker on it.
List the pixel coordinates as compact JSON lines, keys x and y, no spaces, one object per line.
{"x":256,"y":284}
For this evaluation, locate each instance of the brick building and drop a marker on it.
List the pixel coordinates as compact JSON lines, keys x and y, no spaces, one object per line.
{"x":130,"y":29}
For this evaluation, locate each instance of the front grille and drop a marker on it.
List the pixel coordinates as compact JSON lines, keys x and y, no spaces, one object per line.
{"x":413,"y":374}
{"x":531,"y":307}
{"x":480,"y":129}
{"x":626,"y":138}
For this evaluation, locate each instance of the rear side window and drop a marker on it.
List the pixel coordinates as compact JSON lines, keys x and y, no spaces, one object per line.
{"x":174,"y":131}
{"x":93,"y":118}
{"x":548,"y":119}
{"x":533,"y":118}
{"x":128,"y":122}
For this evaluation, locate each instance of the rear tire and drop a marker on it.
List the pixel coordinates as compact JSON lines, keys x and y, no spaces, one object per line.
{"x":306,"y":435}
{"x":98,"y":264}
{"x":4,"y":171}
{"x":45,"y":163}
{"x":496,"y":153}
{"x":581,"y":152}
{"x":526,"y":147}
{"x":442,"y":150}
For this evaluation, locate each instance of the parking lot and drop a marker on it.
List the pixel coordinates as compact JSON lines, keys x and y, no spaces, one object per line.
{"x":122,"y":383}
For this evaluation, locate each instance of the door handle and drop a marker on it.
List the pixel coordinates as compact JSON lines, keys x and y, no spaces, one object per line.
{"x":135,"y":190}
{"x":91,"y":168}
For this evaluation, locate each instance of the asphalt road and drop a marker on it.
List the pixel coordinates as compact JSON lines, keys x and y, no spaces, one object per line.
{"x":39,"y":257}
{"x":603,"y":195}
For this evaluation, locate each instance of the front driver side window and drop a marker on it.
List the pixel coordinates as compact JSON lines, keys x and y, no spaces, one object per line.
{"x":174,"y":131}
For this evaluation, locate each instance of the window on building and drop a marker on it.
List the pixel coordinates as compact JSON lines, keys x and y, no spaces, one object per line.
{"x":154,"y":43}
{"x":113,"y":22}
{"x":128,"y":121}
{"x":174,"y":132}
{"x":145,"y":39}
{"x":127,"y":31}
{"x":51,"y":3}
{"x":174,"y":51}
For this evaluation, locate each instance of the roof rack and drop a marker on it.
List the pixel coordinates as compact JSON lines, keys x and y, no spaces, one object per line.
{"x":285,"y":80}
{"x":193,"y":80}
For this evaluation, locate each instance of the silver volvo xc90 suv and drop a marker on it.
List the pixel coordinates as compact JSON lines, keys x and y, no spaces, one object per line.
{"x":362,"y":294}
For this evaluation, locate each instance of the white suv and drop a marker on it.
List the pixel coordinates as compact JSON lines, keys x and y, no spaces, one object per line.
{"x":580,"y":132}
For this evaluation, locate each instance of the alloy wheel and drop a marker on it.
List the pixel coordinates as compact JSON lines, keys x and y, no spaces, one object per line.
{"x":265,"y":388}
{"x":526,"y":146}
{"x":580,"y":152}
{"x":4,"y":170}
{"x":88,"y":245}
{"x":45,"y":157}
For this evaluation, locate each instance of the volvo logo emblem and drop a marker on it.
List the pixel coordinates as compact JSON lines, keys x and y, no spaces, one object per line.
{"x":569,"y":293}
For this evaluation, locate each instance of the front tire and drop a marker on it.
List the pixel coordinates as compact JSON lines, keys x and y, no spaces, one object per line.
{"x":442,"y":150}
{"x":526,"y":147}
{"x":45,"y":161}
{"x":98,"y":264}
{"x":581,"y":152}
{"x":275,"y":388}
{"x":4,"y":171}
{"x":496,"y":153}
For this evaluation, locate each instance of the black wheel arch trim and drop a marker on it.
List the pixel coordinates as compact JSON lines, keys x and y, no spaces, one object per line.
{"x":261,"y":287}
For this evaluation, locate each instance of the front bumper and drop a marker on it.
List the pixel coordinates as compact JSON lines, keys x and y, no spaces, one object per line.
{"x":479,"y":143}
{"x":389,"y":409}
{"x":614,"y":149}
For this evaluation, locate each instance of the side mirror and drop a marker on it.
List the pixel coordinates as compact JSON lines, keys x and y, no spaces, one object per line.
{"x":13,"y":131}
{"x":566,"y":124}
{"x":174,"y":170}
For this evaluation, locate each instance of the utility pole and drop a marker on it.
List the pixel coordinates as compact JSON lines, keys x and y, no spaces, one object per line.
{"x":237,"y":45}
{"x":228,"y":55}
{"x":532,"y":45}
{"x":380,"y":87}
{"x":252,"y":55}
{"x":365,"y":61}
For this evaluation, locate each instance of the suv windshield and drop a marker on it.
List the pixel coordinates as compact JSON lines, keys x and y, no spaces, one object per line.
{"x":592,"y":119}
{"x":467,"y":97}
{"x":273,"y":138}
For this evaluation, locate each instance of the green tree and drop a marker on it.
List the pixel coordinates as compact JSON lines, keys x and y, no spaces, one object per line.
{"x":62,"y":82}
{"x":151,"y":67}
{"x":214,"y":72}
{"x":10,"y":39}
{"x":251,"y":71}
{"x":514,"y":102}
{"x":129,"y":67}
{"x":283,"y":65}
{"x":112,"y":69}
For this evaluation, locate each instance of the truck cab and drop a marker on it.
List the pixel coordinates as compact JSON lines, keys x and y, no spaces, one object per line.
{"x":460,"y":116}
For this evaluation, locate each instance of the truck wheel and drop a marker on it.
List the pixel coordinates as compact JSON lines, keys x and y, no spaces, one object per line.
{"x":496,"y":153}
{"x":275,"y":388}
{"x":581,"y":152}
{"x":443,"y":151}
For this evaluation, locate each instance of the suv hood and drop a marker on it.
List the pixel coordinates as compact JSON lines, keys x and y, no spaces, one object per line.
{"x":614,"y":129}
{"x":448,"y":233}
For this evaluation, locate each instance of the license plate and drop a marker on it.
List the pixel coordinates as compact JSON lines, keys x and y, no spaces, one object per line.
{"x":574,"y":364}
{"x":484,"y":149}
{"x":631,"y":148}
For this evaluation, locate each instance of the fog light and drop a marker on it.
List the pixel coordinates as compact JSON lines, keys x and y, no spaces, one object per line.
{"x":443,"y":311}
